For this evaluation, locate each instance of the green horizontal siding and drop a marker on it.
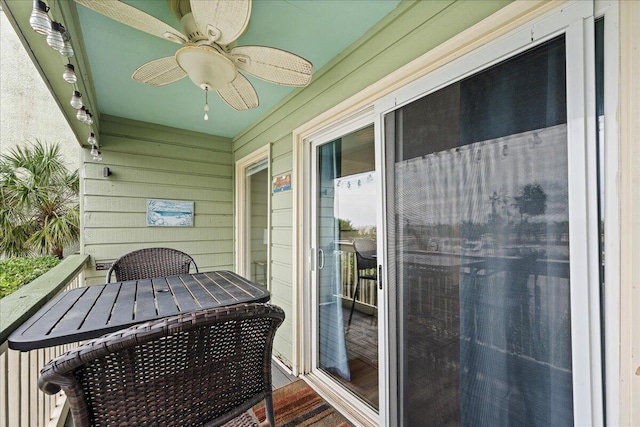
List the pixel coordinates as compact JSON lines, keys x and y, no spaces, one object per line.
{"x":197,"y":249}
{"x":132,"y":219}
{"x":281,"y":254}
{"x":156,"y":162}
{"x":119,"y":204}
{"x":281,"y":201}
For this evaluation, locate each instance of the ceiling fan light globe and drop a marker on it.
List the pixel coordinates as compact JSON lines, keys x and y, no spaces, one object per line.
{"x":207,"y":68}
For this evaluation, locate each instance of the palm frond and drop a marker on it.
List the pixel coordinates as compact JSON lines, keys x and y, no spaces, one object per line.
{"x":39,"y":196}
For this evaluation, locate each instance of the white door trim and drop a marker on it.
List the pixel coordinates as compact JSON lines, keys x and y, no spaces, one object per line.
{"x":617,"y":402}
{"x":353,"y":408}
{"x":241,"y":211}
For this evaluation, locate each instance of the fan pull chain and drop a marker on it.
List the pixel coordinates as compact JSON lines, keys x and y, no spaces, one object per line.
{"x":206,"y":103}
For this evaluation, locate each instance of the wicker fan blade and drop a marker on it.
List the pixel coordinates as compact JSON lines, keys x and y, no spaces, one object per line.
{"x":273,"y":65}
{"x":159,"y":72}
{"x":222,"y":21}
{"x":134,"y":18}
{"x":239,"y":94}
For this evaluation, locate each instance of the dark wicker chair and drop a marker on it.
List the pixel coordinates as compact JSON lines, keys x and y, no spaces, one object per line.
{"x":200,"y":368}
{"x":366,"y":261}
{"x":151,"y":262}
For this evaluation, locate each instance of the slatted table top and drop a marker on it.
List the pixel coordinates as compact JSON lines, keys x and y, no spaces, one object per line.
{"x":92,"y":311}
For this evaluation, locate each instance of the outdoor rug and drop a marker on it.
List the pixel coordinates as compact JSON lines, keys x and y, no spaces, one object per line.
{"x":245,"y":420}
{"x":296,"y":404}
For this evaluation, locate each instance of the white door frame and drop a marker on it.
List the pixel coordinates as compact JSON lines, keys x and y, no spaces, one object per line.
{"x":328,"y":387}
{"x":614,"y":320}
{"x":241,"y":211}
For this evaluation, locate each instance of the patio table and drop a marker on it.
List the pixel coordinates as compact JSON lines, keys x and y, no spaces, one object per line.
{"x":92,"y":311}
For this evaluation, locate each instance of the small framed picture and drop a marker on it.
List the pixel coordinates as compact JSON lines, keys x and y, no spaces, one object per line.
{"x":282,"y":183}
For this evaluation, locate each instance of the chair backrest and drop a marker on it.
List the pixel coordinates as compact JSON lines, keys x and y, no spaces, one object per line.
{"x":365,"y":253}
{"x":208,"y":366}
{"x":151,"y":262}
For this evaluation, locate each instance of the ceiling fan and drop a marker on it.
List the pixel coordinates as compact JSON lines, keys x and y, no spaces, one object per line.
{"x":209,"y":55}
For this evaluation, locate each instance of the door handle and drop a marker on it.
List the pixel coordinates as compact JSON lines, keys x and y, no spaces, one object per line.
{"x":320,"y":259}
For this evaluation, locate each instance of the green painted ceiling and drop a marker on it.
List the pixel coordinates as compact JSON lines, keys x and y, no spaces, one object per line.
{"x":317,"y":30}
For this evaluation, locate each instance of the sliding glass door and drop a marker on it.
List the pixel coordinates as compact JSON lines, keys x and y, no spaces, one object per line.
{"x":479,"y":242}
{"x":485,"y":305}
{"x":345,"y":286}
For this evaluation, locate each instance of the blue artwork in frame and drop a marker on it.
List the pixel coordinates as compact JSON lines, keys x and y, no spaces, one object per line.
{"x":169,"y":213}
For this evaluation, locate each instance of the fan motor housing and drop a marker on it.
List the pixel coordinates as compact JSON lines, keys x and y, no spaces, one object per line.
{"x":191,"y":28}
{"x":206,"y":67}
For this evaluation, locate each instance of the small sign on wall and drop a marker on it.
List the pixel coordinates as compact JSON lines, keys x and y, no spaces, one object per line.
{"x":169,"y":213}
{"x":282,"y":183}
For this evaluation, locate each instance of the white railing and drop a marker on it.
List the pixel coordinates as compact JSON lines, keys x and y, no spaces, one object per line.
{"x":367,"y":296}
{"x":22,"y":404}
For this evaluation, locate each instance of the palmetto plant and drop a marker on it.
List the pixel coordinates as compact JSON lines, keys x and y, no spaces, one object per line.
{"x":39,"y":209}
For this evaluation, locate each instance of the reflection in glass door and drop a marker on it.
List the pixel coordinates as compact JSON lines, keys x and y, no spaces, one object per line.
{"x":346,"y":280}
{"x":478,"y":226}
